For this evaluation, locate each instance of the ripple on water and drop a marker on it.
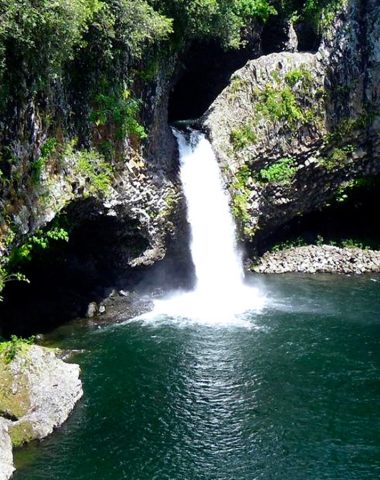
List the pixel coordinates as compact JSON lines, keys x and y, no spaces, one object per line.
{"x":295,"y":399}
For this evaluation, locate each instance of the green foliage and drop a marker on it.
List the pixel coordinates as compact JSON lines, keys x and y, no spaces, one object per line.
{"x":236,"y":84}
{"x":125,"y":27}
{"x":281,"y":172}
{"x":221,"y":19}
{"x":338,"y":157}
{"x":171,"y":201}
{"x":241,"y":197}
{"x":42,"y":33}
{"x":240,"y":209}
{"x":137,"y":24}
{"x":347,"y":127}
{"x":319,"y":240}
{"x":320,"y":13}
{"x":118,"y":107}
{"x":343,"y":191}
{"x":41,"y":240}
{"x":285,"y":100}
{"x":242,"y":177}
{"x":98,"y":173}
{"x":10,"y":349}
{"x":280,"y":104}
{"x":345,"y":243}
{"x":242,"y":137}
{"x":6,"y":277}
{"x":48,"y":34}
{"x":290,"y":243}
{"x":299,"y":75}
{"x":38,"y":45}
{"x":38,"y":166}
{"x":353,"y":243}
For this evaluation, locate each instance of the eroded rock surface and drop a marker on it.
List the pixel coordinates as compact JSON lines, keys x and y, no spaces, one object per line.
{"x":293,"y":129}
{"x":38,"y":391}
{"x":320,"y":259}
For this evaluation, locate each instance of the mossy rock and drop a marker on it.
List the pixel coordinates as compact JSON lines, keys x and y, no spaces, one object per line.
{"x":21,"y":432}
{"x":14,"y":392}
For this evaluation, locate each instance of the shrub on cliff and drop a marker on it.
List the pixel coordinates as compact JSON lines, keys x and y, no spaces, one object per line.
{"x":39,"y":35}
{"x":220,"y":19}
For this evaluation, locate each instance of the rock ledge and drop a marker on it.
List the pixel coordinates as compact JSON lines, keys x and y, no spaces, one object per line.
{"x":319,"y":259}
{"x":38,"y":391}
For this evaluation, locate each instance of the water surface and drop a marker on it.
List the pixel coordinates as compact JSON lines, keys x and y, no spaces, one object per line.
{"x":291,"y":394}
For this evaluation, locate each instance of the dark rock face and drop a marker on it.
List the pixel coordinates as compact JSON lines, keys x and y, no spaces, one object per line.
{"x":279,"y":36}
{"x":117,"y":231}
{"x":294,"y":128}
{"x":205,"y":72}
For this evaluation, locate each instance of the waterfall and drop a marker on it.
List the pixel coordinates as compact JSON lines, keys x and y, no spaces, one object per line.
{"x":218,"y":265}
{"x":220,"y":294}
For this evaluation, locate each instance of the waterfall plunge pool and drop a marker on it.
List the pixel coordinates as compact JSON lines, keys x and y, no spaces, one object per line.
{"x":276,"y":378}
{"x":294,"y":397}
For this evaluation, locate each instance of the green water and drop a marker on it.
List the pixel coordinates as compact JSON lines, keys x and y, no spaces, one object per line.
{"x":295,"y":397}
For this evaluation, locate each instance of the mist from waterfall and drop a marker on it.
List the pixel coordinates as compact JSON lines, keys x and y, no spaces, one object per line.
{"x":220,"y":294}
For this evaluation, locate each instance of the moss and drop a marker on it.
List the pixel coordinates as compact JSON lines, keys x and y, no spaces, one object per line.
{"x":243,"y":136}
{"x":236,"y":85}
{"x":337,"y":158}
{"x":347,"y":127}
{"x":240,"y":199}
{"x":21,"y":432}
{"x":171,"y":201}
{"x":14,"y":391}
{"x":281,"y":172}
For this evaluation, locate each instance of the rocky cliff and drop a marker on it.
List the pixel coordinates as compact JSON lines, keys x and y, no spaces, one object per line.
{"x":294,"y":128}
{"x":291,"y":130}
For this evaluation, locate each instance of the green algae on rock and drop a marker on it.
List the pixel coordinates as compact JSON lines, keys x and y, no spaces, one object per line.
{"x":38,"y":391}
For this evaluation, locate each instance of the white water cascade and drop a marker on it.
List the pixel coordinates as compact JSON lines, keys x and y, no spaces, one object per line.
{"x":213,"y":248}
{"x":220,"y":294}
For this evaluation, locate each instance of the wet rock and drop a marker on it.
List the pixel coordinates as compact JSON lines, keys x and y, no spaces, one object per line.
{"x":124,"y":293}
{"x":92,"y":310}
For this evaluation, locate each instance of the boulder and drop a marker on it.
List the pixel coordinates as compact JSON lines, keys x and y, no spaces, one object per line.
{"x":38,"y":391}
